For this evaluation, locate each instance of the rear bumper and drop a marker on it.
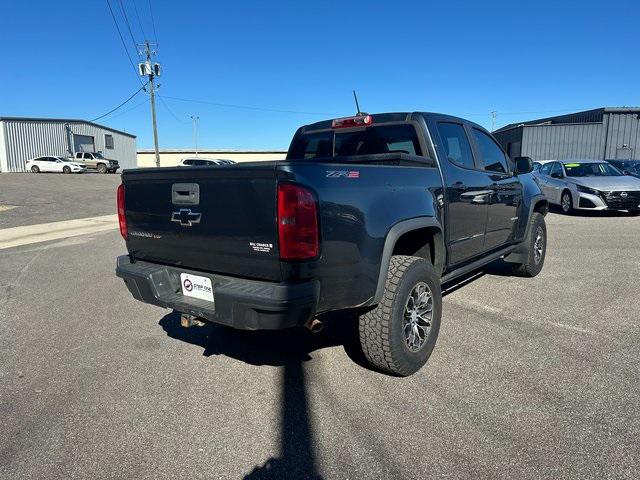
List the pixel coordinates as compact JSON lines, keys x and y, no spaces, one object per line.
{"x":238,"y":303}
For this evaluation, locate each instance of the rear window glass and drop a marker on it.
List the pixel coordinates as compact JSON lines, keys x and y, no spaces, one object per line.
{"x":371,"y":141}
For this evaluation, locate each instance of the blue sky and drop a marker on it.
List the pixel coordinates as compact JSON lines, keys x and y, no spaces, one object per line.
{"x":522,"y":59}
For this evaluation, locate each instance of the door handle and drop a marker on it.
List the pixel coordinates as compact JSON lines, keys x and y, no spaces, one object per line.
{"x":185,"y":194}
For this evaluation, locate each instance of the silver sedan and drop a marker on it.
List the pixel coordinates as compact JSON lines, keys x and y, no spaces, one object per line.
{"x":588,"y":185}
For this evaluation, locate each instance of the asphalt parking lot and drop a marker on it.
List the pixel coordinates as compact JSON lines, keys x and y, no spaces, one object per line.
{"x":531,"y":378}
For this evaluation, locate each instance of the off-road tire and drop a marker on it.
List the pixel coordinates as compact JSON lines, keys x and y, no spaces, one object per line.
{"x":534,"y":263}
{"x":66,"y":169}
{"x":568,"y":211}
{"x":35,"y":169}
{"x":381,"y":329}
{"x":102,"y":168}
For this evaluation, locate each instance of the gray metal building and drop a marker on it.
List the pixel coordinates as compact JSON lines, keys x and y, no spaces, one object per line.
{"x":601,"y":134}
{"x":25,"y":138}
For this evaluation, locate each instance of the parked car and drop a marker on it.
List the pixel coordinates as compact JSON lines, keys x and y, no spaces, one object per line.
{"x":628,"y":167}
{"x":539,"y":163}
{"x":588,"y":185}
{"x":53,"y":164}
{"x":201,"y":162}
{"x":369,"y":214}
{"x":96,"y":161}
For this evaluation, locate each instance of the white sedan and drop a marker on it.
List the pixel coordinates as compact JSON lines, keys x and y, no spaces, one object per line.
{"x":203,"y":162}
{"x":54,"y":164}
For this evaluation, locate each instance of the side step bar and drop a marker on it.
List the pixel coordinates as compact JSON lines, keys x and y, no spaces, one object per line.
{"x":458,"y":272}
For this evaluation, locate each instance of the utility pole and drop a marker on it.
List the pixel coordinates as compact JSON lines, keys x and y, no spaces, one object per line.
{"x":151,"y":70}
{"x":195,"y":133}
{"x":494,"y":115}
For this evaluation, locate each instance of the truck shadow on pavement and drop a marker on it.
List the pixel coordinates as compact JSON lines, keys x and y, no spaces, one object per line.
{"x":284,"y":348}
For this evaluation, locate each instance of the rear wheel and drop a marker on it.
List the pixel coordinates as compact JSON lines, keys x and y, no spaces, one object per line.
{"x":35,"y":169}
{"x":66,"y":169}
{"x":536,"y":243}
{"x":102,"y":168}
{"x":399,"y":335}
{"x":566,"y":202}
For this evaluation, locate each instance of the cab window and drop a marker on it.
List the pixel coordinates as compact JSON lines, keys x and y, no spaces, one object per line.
{"x":456,"y":144}
{"x":492,"y":155}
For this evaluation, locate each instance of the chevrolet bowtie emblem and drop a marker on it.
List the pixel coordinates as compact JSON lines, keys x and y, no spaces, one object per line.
{"x":185,"y":217}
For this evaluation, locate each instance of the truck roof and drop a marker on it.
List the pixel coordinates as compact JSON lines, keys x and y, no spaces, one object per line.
{"x":391,"y":117}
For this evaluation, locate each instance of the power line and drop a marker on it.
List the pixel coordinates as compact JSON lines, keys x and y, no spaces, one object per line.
{"x":155,"y":35}
{"x":135,"y":7}
{"x":170,"y":111}
{"x":121,"y":105}
{"x":124,"y":45}
{"x":126,"y":20}
{"x":249,"y":107}
{"x":124,"y":112}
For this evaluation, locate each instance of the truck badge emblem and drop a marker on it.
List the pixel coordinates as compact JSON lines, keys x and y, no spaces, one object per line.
{"x":624,"y":194}
{"x":185,"y":217}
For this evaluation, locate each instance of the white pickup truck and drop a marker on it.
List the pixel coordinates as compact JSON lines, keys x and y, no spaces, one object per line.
{"x":95,"y":161}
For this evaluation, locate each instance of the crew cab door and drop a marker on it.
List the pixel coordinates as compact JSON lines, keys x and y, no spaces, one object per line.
{"x":506,"y":190}
{"x":466,"y":191}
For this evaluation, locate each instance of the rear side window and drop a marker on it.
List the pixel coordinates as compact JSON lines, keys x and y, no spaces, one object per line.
{"x":312,"y":145}
{"x":492,"y":156}
{"x":188,"y":162}
{"x":370,"y":141}
{"x":456,"y":144}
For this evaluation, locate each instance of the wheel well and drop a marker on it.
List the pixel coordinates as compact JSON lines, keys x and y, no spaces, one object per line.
{"x":422,"y":242}
{"x":541,"y":206}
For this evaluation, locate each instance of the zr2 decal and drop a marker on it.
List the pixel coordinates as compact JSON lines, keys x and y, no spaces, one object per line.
{"x":343,"y":174}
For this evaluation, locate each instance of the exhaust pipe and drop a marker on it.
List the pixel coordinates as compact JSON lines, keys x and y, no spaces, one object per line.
{"x":187,"y":321}
{"x":314,"y":325}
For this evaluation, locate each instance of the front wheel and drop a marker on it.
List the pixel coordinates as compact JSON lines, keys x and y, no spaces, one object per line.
{"x":102,"y":168}
{"x":66,"y":169}
{"x":399,"y":335}
{"x":566,"y":202}
{"x":536,"y":244}
{"x":35,"y":169}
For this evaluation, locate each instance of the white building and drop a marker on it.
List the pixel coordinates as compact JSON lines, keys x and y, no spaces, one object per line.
{"x":25,"y":138}
{"x":169,"y":158}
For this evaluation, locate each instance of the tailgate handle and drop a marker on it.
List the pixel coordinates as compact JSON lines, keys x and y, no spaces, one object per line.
{"x":185,"y":193}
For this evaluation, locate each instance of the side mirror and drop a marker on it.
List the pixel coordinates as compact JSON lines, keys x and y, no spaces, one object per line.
{"x":523,"y":165}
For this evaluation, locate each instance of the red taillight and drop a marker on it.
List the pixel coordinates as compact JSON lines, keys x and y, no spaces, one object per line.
{"x":350,"y":122}
{"x":122,"y":221}
{"x":297,"y":223}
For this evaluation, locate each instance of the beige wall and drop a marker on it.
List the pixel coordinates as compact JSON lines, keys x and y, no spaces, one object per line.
{"x":170,"y":158}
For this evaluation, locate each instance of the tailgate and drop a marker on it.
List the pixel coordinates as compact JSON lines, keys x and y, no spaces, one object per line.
{"x":213,"y":219}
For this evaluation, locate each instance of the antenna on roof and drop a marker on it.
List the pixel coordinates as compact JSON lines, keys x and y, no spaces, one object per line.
{"x":358,"y":112}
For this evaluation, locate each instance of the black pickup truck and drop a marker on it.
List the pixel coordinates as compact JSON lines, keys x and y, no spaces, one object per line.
{"x":370,"y":213}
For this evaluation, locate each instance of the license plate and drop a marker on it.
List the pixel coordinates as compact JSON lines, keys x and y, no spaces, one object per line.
{"x":197,"y":287}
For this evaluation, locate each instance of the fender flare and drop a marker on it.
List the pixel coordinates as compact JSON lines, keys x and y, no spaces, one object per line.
{"x":519,"y":255}
{"x":392,"y":237}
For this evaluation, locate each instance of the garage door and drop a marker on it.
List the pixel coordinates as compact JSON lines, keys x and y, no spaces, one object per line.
{"x":83,"y":143}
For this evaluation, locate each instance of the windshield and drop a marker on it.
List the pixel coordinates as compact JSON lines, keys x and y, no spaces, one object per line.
{"x":629,"y":165}
{"x":98,"y":155}
{"x":595,"y":169}
{"x":370,"y":141}
{"x":62,"y":159}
